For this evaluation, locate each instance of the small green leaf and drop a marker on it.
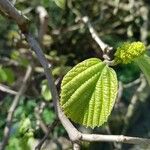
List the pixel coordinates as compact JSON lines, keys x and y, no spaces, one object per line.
{"x":10,"y":75}
{"x":7,"y":75}
{"x":45,"y":92}
{"x":144,"y":63}
{"x":88,"y":92}
{"x":25,"y":127}
{"x":60,"y":3}
{"x":3,"y":75}
{"x":48,"y":116}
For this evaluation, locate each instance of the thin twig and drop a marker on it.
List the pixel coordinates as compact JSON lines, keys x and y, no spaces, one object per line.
{"x":43,"y":19}
{"x":13,"y":107}
{"x":51,"y":128}
{"x":95,"y":36}
{"x":133,"y":83}
{"x":105,"y":48}
{"x":68,"y":29}
{"x":7,"y":89}
{"x":145,"y":26}
{"x":120,"y":93}
{"x":108,"y":131}
{"x":39,"y":119}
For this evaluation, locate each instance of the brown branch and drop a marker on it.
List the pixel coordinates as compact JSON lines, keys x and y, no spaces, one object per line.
{"x":13,"y":107}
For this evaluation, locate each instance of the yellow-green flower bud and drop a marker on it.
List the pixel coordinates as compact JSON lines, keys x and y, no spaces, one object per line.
{"x":127,"y":52}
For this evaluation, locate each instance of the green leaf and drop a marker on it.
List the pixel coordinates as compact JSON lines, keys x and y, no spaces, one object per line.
{"x":10,"y":75}
{"x":45,"y":92}
{"x":25,"y":125}
{"x":60,"y":3}
{"x":88,"y":92}
{"x":7,"y":75}
{"x":48,"y":116}
{"x":144,"y":63}
{"x":3,"y":75}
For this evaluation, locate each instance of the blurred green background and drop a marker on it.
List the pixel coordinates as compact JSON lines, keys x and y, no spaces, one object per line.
{"x":66,"y":43}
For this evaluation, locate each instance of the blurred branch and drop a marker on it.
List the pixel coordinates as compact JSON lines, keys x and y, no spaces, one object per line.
{"x":133,"y":83}
{"x":39,"y":119}
{"x":4,"y":14}
{"x":7,"y":61}
{"x":43,"y":19}
{"x":13,"y":107}
{"x":68,"y":29}
{"x":13,"y":1}
{"x":76,"y":146}
{"x":133,"y":105}
{"x":145,"y":26}
{"x":121,"y":5}
{"x":120,"y":92}
{"x":108,"y":131}
{"x":71,"y":130}
{"x":7,"y":89}
{"x":50,"y":129}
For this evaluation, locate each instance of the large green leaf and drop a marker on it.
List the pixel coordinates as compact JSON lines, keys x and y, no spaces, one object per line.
{"x":88,"y":92}
{"x":144,"y":63}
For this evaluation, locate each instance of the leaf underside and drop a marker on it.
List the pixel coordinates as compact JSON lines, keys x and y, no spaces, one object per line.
{"x":88,"y":92}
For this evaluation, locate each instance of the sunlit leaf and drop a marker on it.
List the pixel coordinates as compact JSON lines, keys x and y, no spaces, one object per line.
{"x":88,"y":92}
{"x":26,"y":128}
{"x":60,"y":3}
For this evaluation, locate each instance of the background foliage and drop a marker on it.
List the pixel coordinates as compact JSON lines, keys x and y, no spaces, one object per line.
{"x":68,"y":42}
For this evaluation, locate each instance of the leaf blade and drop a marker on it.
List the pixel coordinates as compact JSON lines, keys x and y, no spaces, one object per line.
{"x":83,"y":96}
